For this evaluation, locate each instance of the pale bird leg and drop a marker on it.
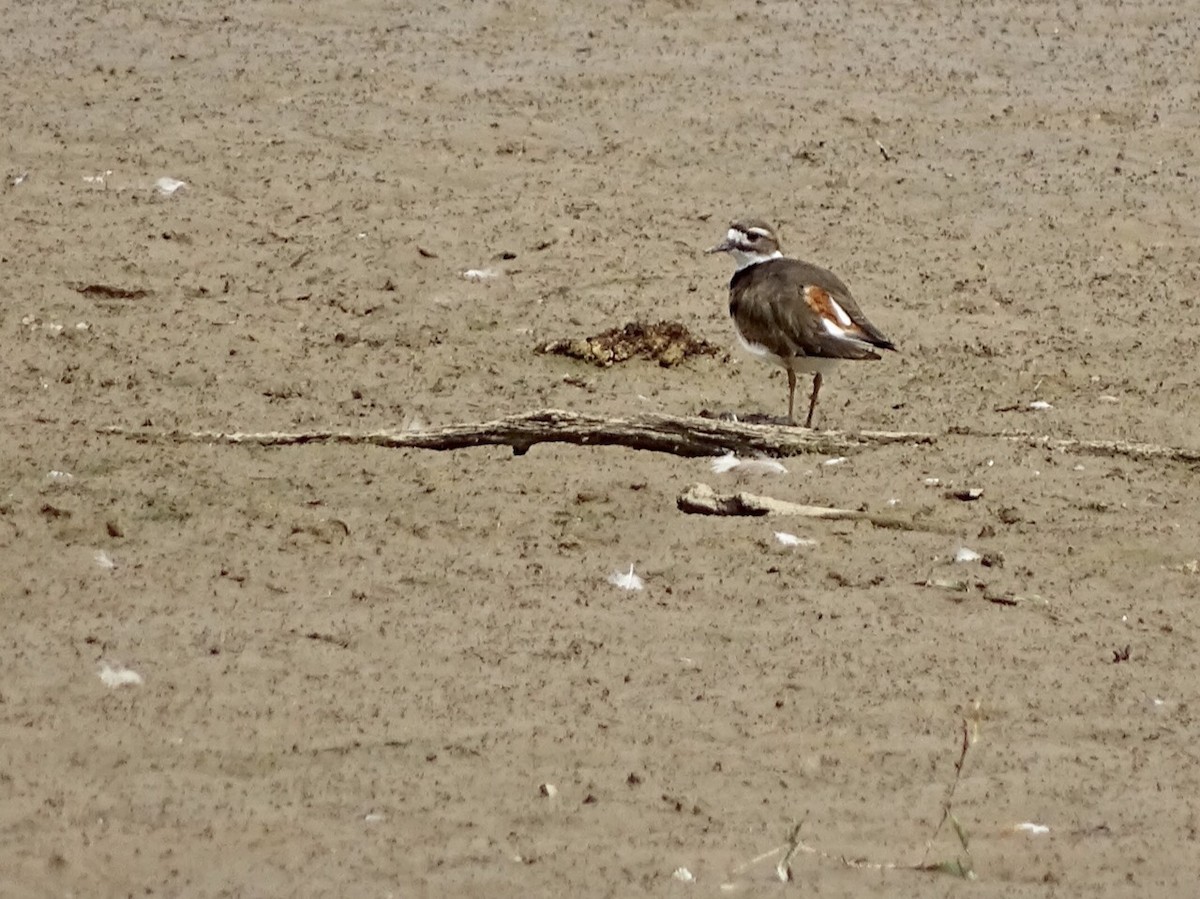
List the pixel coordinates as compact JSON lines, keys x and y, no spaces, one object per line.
{"x":812,"y":403}
{"x":791,"y":396}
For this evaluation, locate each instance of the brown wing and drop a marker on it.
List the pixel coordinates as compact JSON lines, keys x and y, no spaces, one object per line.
{"x":784,"y":308}
{"x":822,"y":280}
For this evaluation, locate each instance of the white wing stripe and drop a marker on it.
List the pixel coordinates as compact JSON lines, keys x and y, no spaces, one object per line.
{"x":833,"y":330}
{"x":843,"y":319}
{"x":837,"y":333}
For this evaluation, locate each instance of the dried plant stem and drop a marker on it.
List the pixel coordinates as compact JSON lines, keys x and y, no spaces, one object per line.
{"x":681,"y":436}
{"x":795,"y":845}
{"x":1146,"y":452}
{"x":947,"y":814}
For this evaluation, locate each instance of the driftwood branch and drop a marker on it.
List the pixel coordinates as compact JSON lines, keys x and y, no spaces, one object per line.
{"x":681,"y":436}
{"x":701,"y":499}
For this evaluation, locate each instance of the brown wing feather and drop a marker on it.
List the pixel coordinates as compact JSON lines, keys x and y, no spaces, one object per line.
{"x":814,"y":275}
{"x":792,"y":327}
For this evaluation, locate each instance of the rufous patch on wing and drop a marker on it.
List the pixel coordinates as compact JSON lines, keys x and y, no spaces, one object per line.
{"x":820,"y":302}
{"x":838,"y":322}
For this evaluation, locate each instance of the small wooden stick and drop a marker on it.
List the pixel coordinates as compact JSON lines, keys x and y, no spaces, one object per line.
{"x":1144,"y":451}
{"x":701,"y":499}
{"x":1130,"y":449}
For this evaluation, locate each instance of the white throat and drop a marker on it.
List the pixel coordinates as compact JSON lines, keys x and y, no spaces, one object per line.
{"x":743,"y":259}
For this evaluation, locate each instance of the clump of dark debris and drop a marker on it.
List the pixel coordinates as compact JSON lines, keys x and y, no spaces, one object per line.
{"x":667,"y":343}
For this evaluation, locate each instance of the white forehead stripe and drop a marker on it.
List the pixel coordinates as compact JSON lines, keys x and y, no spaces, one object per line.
{"x":733,"y":235}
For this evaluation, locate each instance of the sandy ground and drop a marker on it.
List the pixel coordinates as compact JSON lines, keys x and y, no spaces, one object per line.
{"x":360,"y":665}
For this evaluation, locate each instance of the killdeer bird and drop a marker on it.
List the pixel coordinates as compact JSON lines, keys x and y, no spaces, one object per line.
{"x":792,"y":313}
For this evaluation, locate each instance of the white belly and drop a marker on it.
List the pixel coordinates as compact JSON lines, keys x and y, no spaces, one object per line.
{"x":800,"y":364}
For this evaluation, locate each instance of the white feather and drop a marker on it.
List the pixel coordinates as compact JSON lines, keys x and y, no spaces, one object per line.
{"x":1030,"y":828}
{"x":729,"y":462}
{"x":787,"y":539}
{"x":843,"y":318}
{"x":119,"y":676}
{"x":168,"y":186}
{"x":834,"y":329}
{"x":725,"y":463}
{"x":626,"y":580}
{"x":479,"y":274}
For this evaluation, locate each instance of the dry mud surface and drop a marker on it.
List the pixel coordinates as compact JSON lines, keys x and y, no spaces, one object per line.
{"x":361,"y":664}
